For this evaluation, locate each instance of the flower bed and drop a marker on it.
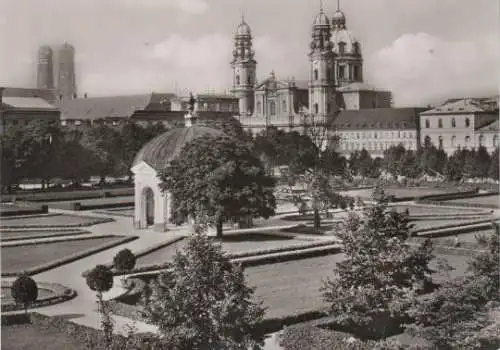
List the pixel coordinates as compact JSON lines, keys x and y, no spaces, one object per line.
{"x":36,"y":257}
{"x":59,"y":294}
{"x":51,"y":220}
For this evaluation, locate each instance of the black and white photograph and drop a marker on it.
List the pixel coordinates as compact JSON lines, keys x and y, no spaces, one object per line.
{"x":250,"y":174}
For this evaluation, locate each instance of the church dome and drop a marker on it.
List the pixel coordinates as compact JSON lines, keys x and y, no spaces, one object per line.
{"x":338,"y":19}
{"x":321,"y":20}
{"x":243,"y":29}
{"x":160,"y":151}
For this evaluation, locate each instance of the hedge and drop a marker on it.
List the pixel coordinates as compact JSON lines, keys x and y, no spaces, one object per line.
{"x":57,"y":234}
{"x":73,"y":257}
{"x":452,"y":225}
{"x":61,"y":294}
{"x":93,"y":221}
{"x":17,"y":211}
{"x":68,"y":195}
{"x":76,"y":206}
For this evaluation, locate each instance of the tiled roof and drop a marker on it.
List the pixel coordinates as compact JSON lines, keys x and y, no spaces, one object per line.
{"x":378,"y":118}
{"x":112,"y":106}
{"x":27,"y":103}
{"x":465,"y":106}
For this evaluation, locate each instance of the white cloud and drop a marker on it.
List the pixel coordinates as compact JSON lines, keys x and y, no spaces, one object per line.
{"x":188,"y":6}
{"x":420,"y":68}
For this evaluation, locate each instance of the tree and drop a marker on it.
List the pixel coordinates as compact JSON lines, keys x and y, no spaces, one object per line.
{"x":453,"y":316}
{"x":124,"y":260}
{"x":100,"y":279}
{"x":220,"y":176}
{"x":380,"y":274}
{"x":432,"y":160}
{"x":24,"y":290}
{"x":493,"y":171}
{"x":202,"y":301}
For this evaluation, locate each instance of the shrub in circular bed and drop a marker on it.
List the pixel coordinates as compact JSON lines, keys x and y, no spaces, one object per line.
{"x":24,"y":290}
{"x":100,"y":279}
{"x":124,"y":260}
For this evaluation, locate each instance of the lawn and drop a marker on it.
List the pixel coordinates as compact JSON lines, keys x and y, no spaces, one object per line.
{"x":399,"y":192}
{"x":24,"y":257}
{"x":421,"y":210}
{"x":30,"y":234}
{"x":28,"y":337}
{"x":230,"y":243}
{"x":7,"y":209}
{"x":51,"y":220}
{"x":492,"y":201}
{"x":127,"y":211}
{"x":442,"y":223}
{"x":42,"y":293}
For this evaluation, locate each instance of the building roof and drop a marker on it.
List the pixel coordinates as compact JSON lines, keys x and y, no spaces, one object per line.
{"x":493,"y":126}
{"x":160,"y":151}
{"x":358,"y":87}
{"x":49,"y":95}
{"x":113,"y":106}
{"x":27,"y":103}
{"x":463,"y":106}
{"x":378,"y":118}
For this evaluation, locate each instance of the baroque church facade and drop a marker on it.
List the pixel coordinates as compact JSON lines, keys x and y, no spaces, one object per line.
{"x":335,"y":79}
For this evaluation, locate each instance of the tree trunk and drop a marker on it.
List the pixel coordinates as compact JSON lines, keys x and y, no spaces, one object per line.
{"x":317,"y":219}
{"x":219,"y":228}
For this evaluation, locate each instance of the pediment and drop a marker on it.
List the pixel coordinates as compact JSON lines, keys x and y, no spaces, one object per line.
{"x":143,"y":168}
{"x":269,"y":82}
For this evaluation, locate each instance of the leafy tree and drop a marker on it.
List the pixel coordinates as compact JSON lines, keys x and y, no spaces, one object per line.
{"x":203,"y":302}
{"x":231,"y":127}
{"x":393,"y":159}
{"x":222,"y":177}
{"x":100,"y":279}
{"x":432,"y":160}
{"x":24,"y":291}
{"x":453,"y":316}
{"x":481,"y":162}
{"x":493,"y":171}
{"x":124,"y":260}
{"x":373,"y":286}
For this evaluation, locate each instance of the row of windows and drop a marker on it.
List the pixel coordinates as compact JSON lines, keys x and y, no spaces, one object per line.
{"x":342,"y":45}
{"x":379,"y":125}
{"x":341,"y":73}
{"x":379,"y":134}
{"x":453,"y":123}
{"x":272,"y":107}
{"x":453,"y":141}
{"x":374,"y":146}
{"x":249,"y":80}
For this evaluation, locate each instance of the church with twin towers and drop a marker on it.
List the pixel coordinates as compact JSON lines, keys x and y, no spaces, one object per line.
{"x":335,"y":78}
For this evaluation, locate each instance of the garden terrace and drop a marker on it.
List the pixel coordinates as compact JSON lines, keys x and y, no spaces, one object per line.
{"x":37,"y":257}
{"x":51,"y":220}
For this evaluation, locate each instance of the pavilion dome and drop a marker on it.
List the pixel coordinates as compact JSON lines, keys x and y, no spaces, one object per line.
{"x":160,"y":151}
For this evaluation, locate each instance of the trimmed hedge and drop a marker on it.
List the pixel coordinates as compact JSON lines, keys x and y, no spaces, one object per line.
{"x":73,"y":257}
{"x":68,"y":195}
{"x":452,"y":225}
{"x":93,"y":221}
{"x":61,"y":294}
{"x":57,"y":234}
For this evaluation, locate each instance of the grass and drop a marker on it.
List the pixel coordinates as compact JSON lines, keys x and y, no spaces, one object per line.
{"x":31,"y":234}
{"x":491,"y":201}
{"x":62,"y":220}
{"x":42,"y":293}
{"x":28,"y":337}
{"x":230,"y":243}
{"x":399,"y":192}
{"x":23,"y":257}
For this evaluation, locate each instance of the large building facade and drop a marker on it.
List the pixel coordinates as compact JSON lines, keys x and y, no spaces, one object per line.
{"x":335,"y":79}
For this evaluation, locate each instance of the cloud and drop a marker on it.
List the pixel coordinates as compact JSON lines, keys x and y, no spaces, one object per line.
{"x":421,"y":68}
{"x":188,"y":6}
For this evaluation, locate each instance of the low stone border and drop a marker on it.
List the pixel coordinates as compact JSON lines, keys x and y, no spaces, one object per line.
{"x":41,"y":215}
{"x":72,"y":257}
{"x":61,"y":294}
{"x":115,"y":212}
{"x":57,"y":234}
{"x":433,"y":228}
{"x":93,"y":221}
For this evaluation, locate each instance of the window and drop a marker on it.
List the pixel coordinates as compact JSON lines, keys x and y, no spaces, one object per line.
{"x":355,"y":73}
{"x":467,"y":139}
{"x":272,"y":108}
{"x":374,"y":104}
{"x":315,"y":74}
{"x":440,"y":142}
{"x":249,"y":80}
{"x":427,"y":141}
{"x":467,"y":122}
{"x":440,"y":123}
{"x":259,"y":107}
{"x":404,"y":135}
{"x":481,"y":140}
{"x":495,"y":141}
{"x":341,"y":48}
{"x":427,"y":123}
{"x":341,"y":72}
{"x":237,"y":80}
{"x":453,"y":122}
{"x":453,"y":141}
{"x":375,"y":134}
{"x":316,"y":108}
{"x":77,"y":122}
{"x":355,"y":48}
{"x":283,"y":105}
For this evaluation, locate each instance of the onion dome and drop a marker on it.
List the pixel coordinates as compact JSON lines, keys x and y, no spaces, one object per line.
{"x":338,"y":19}
{"x":343,"y":40}
{"x":243,"y":29}
{"x":321,"y":20}
{"x":160,"y":151}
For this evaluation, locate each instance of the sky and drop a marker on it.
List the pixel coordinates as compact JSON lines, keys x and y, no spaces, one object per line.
{"x":424,"y":51}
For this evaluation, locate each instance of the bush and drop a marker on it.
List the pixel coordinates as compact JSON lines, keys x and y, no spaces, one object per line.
{"x":24,"y":291}
{"x":124,"y":260}
{"x":100,"y":279}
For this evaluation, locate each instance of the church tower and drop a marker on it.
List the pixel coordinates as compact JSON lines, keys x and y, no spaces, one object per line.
{"x":244,"y":68}
{"x":322,"y":68}
{"x":349,"y":60}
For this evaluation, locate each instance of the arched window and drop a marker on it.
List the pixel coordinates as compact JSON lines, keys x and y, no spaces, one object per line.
{"x":283,"y":106}
{"x":481,"y":140}
{"x":355,"y":48}
{"x":427,"y":123}
{"x":453,"y":122}
{"x":440,"y":123}
{"x":495,"y":141}
{"x":467,"y":122}
{"x":341,"y":48}
{"x":259,"y":107}
{"x":315,"y":74}
{"x":272,"y":108}
{"x":316,"y":108}
{"x":440,"y":142}
{"x":249,"y":79}
{"x":341,"y":72}
{"x":355,"y":73}
{"x":237,"y":80}
{"x":427,"y":141}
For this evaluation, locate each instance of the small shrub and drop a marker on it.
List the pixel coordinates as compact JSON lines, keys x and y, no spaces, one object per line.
{"x":124,"y":260}
{"x":100,"y":279}
{"x":24,"y":290}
